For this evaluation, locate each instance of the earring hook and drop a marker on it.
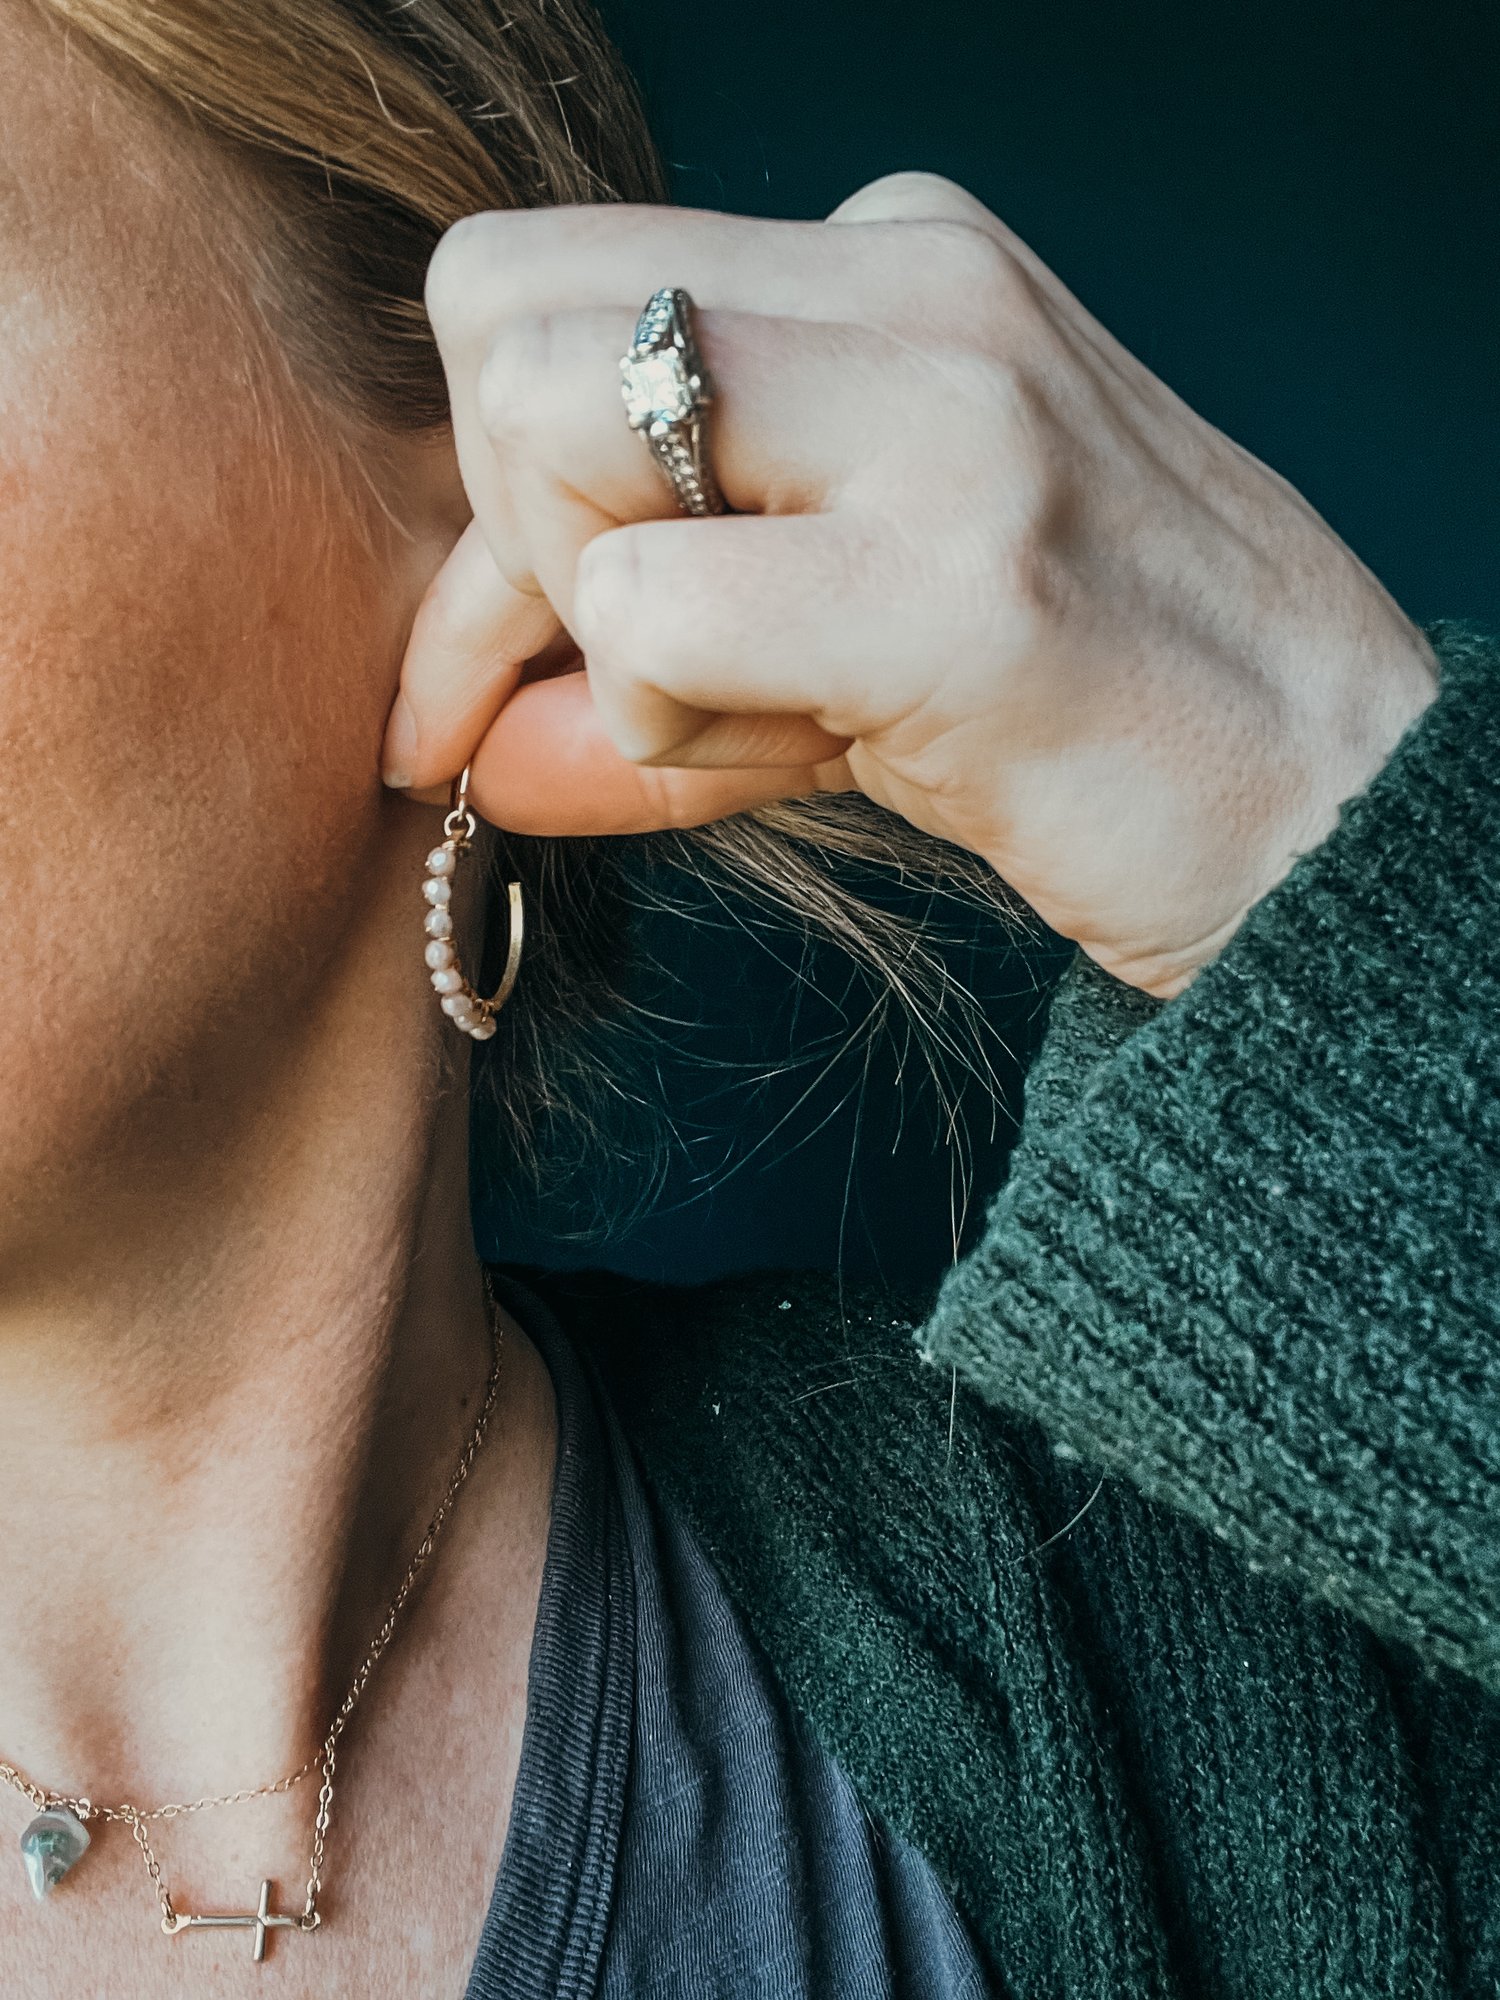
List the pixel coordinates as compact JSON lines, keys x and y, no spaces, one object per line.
{"x":460,"y":823}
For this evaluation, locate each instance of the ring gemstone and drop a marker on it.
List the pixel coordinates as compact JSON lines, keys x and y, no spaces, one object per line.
{"x":658,"y":388}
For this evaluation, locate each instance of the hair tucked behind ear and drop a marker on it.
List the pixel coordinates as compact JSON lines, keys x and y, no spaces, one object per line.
{"x":378,"y":124}
{"x":372,"y":126}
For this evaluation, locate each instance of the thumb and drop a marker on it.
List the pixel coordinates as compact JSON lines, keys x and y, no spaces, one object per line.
{"x":548,"y":766}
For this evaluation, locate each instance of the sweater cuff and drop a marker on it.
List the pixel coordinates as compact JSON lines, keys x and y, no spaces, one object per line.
{"x":1247,"y":1254}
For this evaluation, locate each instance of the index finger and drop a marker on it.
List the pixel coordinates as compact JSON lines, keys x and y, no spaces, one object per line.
{"x":473,"y":634}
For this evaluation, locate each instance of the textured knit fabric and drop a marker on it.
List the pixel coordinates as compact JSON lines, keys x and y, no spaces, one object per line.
{"x":1151,"y":1582}
{"x":677,"y":1833}
{"x":1252,"y":1252}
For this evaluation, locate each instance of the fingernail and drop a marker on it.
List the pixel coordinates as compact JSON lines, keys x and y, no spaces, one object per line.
{"x":400,"y":749}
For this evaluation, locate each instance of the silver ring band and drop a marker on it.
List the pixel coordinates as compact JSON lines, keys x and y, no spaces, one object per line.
{"x":667,"y":390}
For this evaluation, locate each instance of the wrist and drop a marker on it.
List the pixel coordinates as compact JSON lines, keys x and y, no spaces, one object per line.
{"x":1348,"y":706}
{"x":1356,"y":714}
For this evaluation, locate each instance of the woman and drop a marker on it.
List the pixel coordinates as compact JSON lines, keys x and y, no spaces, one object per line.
{"x":810,"y":1709}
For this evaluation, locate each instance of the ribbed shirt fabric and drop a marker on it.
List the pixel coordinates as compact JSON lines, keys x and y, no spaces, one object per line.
{"x":554,"y":1896}
{"x":1148,"y":1579}
{"x":677,"y":1833}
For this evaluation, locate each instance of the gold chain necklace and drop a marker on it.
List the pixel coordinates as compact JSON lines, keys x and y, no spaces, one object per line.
{"x":58,"y":1837}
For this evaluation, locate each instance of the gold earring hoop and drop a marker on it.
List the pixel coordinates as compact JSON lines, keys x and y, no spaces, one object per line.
{"x":458,"y":999}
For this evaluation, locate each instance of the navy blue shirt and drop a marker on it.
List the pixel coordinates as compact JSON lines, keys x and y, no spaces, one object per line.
{"x":677,"y":1833}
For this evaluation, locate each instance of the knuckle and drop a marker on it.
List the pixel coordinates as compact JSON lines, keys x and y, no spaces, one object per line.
{"x":1029,"y":550}
{"x":466,"y":251}
{"x":608,"y":606}
{"x":910,"y":193}
{"x":1009,"y":411}
{"x":990,"y":414}
{"x":514,"y":380}
{"x":638,"y":618}
{"x":999,"y":426}
{"x":971,"y":269}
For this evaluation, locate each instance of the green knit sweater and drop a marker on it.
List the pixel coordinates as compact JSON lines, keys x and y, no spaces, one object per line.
{"x":1150,"y":1581}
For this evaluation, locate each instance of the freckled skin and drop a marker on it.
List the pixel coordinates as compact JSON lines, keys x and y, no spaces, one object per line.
{"x":173,"y":866}
{"x":241,"y":1330}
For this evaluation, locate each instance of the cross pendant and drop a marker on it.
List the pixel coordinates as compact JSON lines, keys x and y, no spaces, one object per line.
{"x":260,"y":1921}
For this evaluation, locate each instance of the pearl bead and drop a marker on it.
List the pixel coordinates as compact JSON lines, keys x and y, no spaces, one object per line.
{"x":437,"y":891}
{"x":441,"y":861}
{"x":450,"y":980}
{"x":439,"y":924}
{"x":483,"y":1031}
{"x":440,"y":954}
{"x":455,"y":1004}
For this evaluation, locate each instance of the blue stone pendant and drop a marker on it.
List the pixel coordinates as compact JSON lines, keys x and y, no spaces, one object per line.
{"x":53,"y":1844}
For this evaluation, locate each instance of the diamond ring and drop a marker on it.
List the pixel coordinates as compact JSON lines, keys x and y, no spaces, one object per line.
{"x":666,"y":390}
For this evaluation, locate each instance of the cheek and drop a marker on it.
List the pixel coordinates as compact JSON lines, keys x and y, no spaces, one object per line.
{"x":197,"y":651}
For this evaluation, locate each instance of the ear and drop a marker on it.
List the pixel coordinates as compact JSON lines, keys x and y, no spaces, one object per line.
{"x":422,"y":492}
{"x":434,"y":504}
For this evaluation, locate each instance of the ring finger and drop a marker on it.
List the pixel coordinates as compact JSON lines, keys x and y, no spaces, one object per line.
{"x":795,"y":411}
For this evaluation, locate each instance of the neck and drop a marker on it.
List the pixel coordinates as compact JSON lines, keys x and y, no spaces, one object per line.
{"x":233,"y":1385}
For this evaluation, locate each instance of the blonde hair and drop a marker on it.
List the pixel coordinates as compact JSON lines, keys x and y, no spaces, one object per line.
{"x":376,"y":124}
{"x":373,"y":125}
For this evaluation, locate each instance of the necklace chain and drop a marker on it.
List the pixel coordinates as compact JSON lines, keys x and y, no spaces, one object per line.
{"x":138,"y":1819}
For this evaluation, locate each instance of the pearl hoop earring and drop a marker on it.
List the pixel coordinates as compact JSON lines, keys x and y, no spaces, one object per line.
{"x":459,"y":1001}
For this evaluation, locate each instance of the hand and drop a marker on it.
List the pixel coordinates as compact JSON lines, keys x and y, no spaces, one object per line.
{"x":984,"y":567}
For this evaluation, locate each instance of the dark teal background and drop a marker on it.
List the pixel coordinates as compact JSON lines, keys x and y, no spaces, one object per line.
{"x":1291,"y":213}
